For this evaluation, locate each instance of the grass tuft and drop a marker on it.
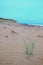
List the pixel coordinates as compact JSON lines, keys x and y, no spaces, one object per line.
{"x":29,"y":47}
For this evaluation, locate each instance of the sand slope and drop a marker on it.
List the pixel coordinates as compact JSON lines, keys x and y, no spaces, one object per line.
{"x":12,"y":46}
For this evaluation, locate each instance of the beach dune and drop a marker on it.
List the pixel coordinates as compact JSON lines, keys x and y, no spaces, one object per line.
{"x":12,"y":46}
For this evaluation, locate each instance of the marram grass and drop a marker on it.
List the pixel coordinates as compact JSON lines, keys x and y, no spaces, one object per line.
{"x":29,"y":47}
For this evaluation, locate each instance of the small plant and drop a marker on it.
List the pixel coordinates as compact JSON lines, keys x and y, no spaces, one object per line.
{"x":29,"y":46}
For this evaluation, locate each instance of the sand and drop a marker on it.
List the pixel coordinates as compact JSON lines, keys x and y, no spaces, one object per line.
{"x":12,"y":46}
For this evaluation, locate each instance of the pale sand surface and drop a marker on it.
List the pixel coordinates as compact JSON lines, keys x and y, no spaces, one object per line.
{"x":12,"y":46}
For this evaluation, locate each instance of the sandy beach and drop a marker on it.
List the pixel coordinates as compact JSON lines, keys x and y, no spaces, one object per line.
{"x":12,"y":46}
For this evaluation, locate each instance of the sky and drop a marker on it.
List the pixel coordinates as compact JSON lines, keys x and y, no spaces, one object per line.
{"x":22,"y":10}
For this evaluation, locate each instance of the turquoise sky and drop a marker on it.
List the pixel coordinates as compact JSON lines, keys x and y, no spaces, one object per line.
{"x":22,"y":9}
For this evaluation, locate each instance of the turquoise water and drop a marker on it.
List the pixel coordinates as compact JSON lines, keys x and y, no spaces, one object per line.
{"x":24,"y":11}
{"x":31,"y":22}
